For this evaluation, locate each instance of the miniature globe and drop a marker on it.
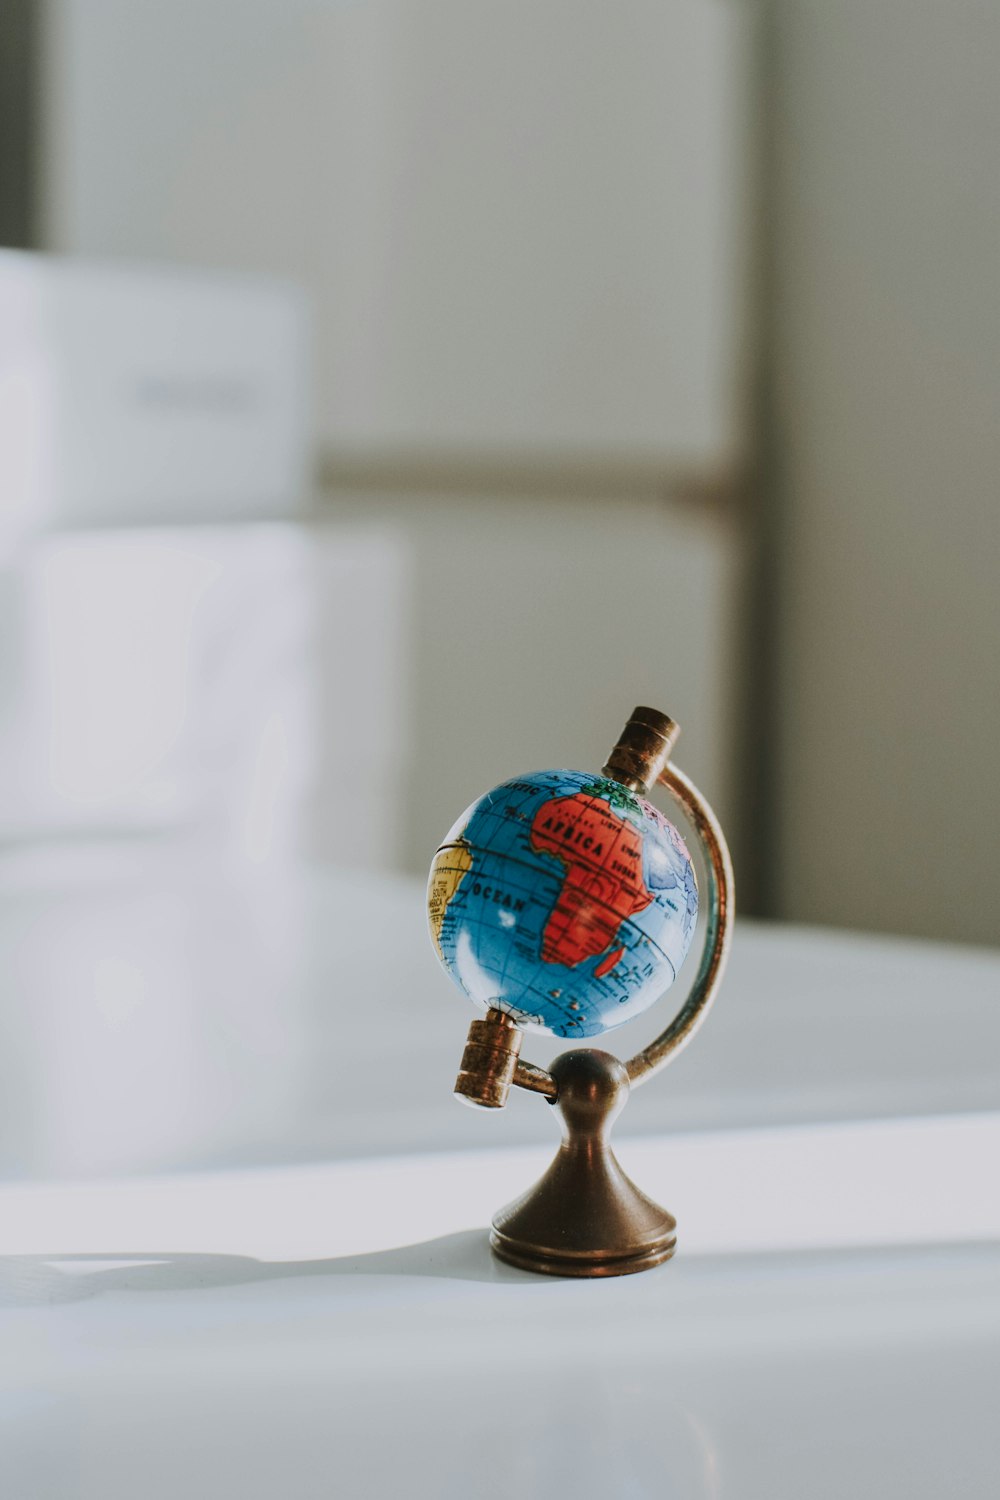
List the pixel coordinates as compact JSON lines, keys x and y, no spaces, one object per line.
{"x":565,"y":900}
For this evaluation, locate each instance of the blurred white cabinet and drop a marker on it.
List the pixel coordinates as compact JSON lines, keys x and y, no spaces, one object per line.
{"x":137,"y":394}
{"x":521,"y":220}
{"x":237,"y":689}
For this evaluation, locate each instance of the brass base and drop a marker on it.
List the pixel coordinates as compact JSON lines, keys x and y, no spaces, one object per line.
{"x":584,"y":1217}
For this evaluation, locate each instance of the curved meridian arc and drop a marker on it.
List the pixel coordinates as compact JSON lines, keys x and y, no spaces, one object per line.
{"x":715,"y":951}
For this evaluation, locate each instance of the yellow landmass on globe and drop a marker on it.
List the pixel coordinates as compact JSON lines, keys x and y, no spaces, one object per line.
{"x":448,"y":870}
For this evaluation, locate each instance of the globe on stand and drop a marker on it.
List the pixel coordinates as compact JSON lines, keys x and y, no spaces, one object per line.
{"x":564,"y":902}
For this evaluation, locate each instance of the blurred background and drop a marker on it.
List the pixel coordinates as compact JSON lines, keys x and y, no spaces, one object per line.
{"x":395,"y":392}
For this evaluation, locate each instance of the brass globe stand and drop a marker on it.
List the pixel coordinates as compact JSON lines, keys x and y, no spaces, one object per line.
{"x":585,"y":1217}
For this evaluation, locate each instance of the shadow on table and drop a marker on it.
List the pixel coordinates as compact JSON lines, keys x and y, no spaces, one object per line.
{"x":36,"y":1280}
{"x":47,"y":1280}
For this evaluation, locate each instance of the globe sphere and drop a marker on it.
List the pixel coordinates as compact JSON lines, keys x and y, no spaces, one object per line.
{"x":565,"y":900}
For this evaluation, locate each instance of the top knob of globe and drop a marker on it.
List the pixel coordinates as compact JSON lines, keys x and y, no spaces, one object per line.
{"x":643,"y":749}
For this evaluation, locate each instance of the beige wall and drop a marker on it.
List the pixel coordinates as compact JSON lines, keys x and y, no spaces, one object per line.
{"x":886,"y":213}
{"x":540,"y":621}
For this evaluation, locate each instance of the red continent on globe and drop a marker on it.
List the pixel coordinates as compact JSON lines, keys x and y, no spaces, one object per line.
{"x":604,"y":885}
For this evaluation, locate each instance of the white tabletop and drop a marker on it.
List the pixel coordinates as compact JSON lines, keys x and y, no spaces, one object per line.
{"x":243,"y":1248}
{"x":172,"y":1014}
{"x":343,"y":1330}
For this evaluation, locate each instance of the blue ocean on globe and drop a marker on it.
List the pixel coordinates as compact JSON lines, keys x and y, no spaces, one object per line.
{"x":565,"y":900}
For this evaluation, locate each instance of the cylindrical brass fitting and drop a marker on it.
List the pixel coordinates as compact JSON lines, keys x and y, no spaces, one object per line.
{"x":643,"y":749}
{"x":489,"y":1060}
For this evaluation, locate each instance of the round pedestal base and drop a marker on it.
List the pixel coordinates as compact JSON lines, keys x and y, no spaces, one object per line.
{"x":584,"y":1217}
{"x":553,"y":1263}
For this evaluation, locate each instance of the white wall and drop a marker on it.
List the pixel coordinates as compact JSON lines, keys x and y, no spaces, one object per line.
{"x":887,"y":344}
{"x":520,"y":220}
{"x":522,"y":224}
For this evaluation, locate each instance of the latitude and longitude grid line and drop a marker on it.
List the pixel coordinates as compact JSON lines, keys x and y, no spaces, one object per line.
{"x":461,"y":900}
{"x":536,"y":987}
{"x":508,"y":809}
{"x":607,"y":813}
{"x":503,"y":813}
{"x":516,"y":887}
